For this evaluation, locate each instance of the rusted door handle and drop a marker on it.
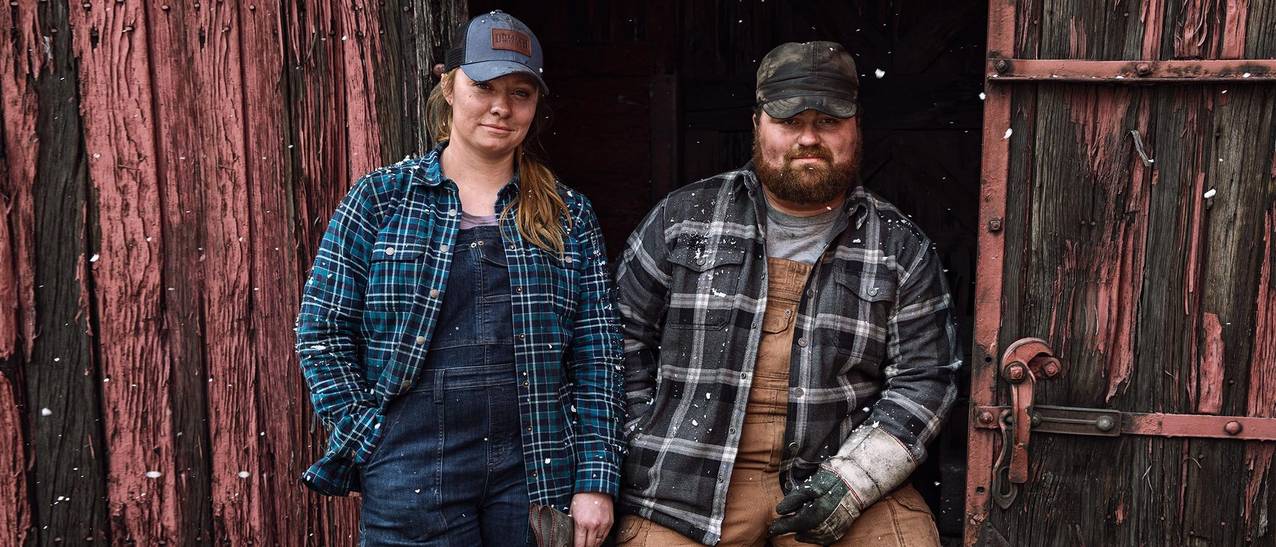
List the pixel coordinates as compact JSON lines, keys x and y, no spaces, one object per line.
{"x":1023,"y":363}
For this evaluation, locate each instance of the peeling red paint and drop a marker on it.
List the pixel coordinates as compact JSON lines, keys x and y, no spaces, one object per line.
{"x":1117,"y":255}
{"x":1262,"y":380}
{"x":1211,"y":398}
{"x":1076,"y":40}
{"x":119,"y":138}
{"x":1193,"y":32}
{"x":15,"y":515}
{"x":1151,"y":14}
{"x":1119,"y":514}
{"x":1234,"y":29}
{"x":19,"y":67}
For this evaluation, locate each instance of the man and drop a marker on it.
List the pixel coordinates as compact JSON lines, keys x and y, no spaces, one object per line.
{"x":786,"y":331}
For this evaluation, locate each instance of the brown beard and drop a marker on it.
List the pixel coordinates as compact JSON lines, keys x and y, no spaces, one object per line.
{"x":810,"y":185}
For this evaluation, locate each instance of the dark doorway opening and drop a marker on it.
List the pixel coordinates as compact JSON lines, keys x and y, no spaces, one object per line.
{"x":648,"y":96}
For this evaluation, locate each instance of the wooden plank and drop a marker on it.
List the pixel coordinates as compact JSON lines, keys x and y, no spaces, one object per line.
{"x":238,"y":516}
{"x":18,"y":113}
{"x":182,"y":164}
{"x":15,"y":517}
{"x":19,"y":64}
{"x":67,"y":451}
{"x":273,"y":264}
{"x":117,"y":106}
{"x":1138,"y":71}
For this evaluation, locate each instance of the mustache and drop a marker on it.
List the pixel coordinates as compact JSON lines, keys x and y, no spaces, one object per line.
{"x":817,"y":151}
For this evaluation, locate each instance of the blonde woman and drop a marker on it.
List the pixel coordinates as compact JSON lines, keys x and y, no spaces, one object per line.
{"x":458,"y":332}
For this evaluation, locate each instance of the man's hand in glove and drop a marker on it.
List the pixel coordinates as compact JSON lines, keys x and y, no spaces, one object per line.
{"x":820,"y":510}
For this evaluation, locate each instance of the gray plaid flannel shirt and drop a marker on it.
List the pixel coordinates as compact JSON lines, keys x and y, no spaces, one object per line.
{"x":875,"y":345}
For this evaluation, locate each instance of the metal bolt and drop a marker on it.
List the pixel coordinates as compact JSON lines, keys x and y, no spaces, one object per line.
{"x":1051,"y":369}
{"x":1104,"y":423}
{"x":985,"y":418}
{"x":1233,"y":427}
{"x":1002,"y":65}
{"x":1016,"y":373}
{"x":1143,"y":69}
{"x":994,"y":225}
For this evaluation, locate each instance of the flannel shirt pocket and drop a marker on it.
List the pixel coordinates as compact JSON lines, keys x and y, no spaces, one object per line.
{"x":395,"y":270}
{"x":705,"y":285}
{"x":868,"y":299}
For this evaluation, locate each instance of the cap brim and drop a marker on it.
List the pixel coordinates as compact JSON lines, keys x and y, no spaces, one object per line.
{"x":792,"y":106}
{"x":483,"y":71}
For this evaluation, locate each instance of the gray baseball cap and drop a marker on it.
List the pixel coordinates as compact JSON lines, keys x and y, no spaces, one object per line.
{"x":494,"y":44}
{"x":819,"y":76}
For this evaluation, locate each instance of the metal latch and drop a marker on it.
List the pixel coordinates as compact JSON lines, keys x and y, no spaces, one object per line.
{"x":1022,"y":364}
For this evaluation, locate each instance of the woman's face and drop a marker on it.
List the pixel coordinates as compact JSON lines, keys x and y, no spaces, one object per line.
{"x":492,"y":117}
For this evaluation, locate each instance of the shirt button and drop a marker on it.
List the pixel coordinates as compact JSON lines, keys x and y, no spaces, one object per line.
{"x":434,"y":293}
{"x":420,"y":340}
{"x":522,"y":336}
{"x":872,"y":291}
{"x":451,"y":212}
{"x":810,"y":292}
{"x":797,"y":392}
{"x":443,"y":248}
{"x":389,"y":250}
{"x":793,"y":446}
{"x":511,"y":246}
{"x":473,"y":245}
{"x":744,"y":375}
{"x":802,"y":342}
{"x":518,"y":290}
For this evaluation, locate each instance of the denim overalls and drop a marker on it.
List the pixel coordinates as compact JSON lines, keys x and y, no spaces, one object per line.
{"x":449,"y":470}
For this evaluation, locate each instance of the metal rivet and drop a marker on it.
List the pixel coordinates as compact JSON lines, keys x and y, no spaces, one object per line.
{"x":1002,"y":65}
{"x":994,"y":225}
{"x":1104,"y":423}
{"x":1143,"y":69}
{"x":1233,"y":427}
{"x":986,"y":418}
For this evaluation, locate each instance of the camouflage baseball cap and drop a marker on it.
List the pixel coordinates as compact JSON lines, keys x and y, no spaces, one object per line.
{"x":819,"y":76}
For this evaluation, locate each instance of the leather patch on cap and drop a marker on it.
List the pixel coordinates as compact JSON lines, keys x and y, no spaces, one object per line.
{"x":511,"y":40}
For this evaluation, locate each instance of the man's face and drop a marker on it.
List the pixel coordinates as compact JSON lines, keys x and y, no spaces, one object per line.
{"x":811,"y":158}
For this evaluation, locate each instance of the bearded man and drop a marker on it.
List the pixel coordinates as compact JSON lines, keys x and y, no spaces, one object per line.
{"x":789,"y":339}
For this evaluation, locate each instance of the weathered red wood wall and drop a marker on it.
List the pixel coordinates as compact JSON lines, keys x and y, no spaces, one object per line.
{"x":166,"y":171}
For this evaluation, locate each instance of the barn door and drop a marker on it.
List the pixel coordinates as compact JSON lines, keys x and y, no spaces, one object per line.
{"x":1124,"y":368}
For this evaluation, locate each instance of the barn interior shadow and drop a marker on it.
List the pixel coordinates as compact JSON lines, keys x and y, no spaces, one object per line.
{"x":648,"y":96}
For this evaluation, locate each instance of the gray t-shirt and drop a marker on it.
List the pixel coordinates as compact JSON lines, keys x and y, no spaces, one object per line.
{"x":801,"y":239}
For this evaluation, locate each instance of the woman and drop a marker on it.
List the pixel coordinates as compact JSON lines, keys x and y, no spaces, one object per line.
{"x":458,"y":332}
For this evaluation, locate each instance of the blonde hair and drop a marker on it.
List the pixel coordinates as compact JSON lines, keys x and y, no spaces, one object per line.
{"x":539,"y":205}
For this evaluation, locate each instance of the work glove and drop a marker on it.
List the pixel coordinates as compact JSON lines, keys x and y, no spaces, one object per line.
{"x":819,"y":510}
{"x":869,"y":465}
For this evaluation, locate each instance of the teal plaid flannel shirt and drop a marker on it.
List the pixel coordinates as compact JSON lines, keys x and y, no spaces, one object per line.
{"x":369,"y":309}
